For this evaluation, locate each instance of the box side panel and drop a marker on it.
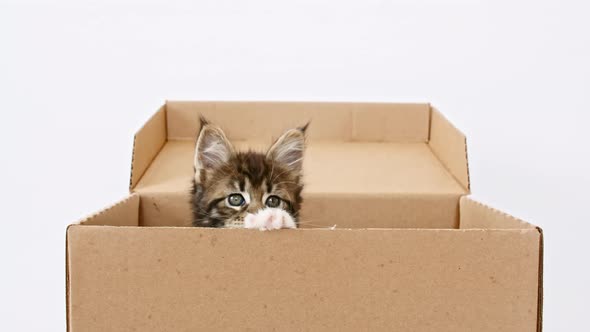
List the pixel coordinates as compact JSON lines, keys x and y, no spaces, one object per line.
{"x":259,"y":120}
{"x":122,"y":213}
{"x":329,"y":121}
{"x":449,"y":145}
{"x":175,"y":279}
{"x":391,"y":122}
{"x":381,"y":211}
{"x":344,"y":211}
{"x":165,"y":209}
{"x":474,"y":214}
{"x":146,"y":144}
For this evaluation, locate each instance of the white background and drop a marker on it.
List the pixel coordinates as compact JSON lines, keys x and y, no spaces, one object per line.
{"x":78,"y":78}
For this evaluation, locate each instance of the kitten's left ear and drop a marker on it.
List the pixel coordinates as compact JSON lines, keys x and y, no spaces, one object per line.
{"x":288,"y":149}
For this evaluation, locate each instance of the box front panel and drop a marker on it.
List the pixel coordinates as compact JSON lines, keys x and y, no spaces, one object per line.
{"x":187,"y":279}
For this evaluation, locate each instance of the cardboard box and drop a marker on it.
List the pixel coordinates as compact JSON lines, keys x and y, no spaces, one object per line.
{"x":410,"y":250}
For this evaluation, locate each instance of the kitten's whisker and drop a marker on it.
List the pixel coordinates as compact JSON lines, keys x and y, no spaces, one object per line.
{"x":206,"y":214}
{"x":289,"y":195}
{"x":315,"y":226}
{"x":272,"y":169}
{"x":311,"y":223}
{"x":306,"y":222}
{"x":283,"y":172}
{"x":291,"y":182}
{"x":295,"y":161}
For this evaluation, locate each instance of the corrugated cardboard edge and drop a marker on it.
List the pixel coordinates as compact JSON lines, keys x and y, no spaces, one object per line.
{"x":541,"y":267}
{"x":449,"y":145}
{"x":68,"y":317}
{"x":467,"y":200}
{"x":147,"y":143}
{"x":110,"y":208}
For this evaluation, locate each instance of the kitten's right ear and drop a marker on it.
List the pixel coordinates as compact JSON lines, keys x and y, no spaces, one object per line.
{"x":288,"y":149}
{"x":213,"y":149}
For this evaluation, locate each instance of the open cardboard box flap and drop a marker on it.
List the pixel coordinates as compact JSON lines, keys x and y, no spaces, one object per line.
{"x":402,"y":148}
{"x":358,"y":156}
{"x":410,"y":252}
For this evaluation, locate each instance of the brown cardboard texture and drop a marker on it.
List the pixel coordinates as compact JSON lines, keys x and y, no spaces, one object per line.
{"x":359,"y":156}
{"x":409,"y":251}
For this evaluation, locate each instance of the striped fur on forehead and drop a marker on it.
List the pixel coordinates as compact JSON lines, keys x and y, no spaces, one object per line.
{"x":250,"y":172}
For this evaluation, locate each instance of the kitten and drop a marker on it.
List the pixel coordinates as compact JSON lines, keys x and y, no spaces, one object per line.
{"x":247,"y":189}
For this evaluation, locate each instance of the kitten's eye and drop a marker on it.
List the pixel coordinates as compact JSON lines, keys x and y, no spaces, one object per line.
{"x":273,"y":201}
{"x":236,"y":200}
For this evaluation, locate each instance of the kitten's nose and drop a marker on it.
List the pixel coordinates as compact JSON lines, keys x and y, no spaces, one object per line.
{"x":253,"y":208}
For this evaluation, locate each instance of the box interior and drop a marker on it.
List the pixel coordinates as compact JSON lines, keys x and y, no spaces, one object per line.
{"x":366,"y":164}
{"x":330,"y":168}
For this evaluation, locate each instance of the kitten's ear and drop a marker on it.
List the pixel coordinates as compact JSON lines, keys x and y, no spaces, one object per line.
{"x":213,"y":148}
{"x":288,"y":149}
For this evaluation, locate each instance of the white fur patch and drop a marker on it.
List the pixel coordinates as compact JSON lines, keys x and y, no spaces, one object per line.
{"x":269,"y":219}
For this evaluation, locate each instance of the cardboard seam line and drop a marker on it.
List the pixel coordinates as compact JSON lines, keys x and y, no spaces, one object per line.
{"x":131,"y":184}
{"x":429,"y":121}
{"x":132,"y":163}
{"x":68,"y":302}
{"x":467,"y":190}
{"x":105,"y":210}
{"x":166,"y":138}
{"x":467,"y":164}
{"x":540,"y":290}
{"x":446,"y":167}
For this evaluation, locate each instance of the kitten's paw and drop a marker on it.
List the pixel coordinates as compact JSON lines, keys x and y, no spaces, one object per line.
{"x":269,"y":219}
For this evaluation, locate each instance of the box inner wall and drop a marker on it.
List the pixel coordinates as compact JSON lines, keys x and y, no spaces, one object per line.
{"x":365,"y":166}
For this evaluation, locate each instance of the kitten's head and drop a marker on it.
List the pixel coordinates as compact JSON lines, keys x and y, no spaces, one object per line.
{"x":228,"y":185}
